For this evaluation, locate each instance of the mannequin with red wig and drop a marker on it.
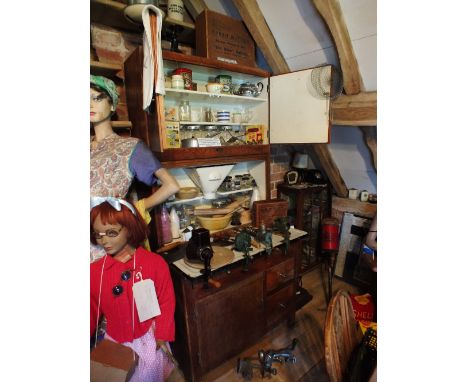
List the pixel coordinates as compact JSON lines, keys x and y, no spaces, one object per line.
{"x":119,"y":229}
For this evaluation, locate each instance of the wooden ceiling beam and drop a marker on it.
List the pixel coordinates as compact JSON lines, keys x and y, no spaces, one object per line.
{"x":355,"y":110}
{"x":261,"y":33}
{"x":331,"y":12}
{"x":195,"y":7}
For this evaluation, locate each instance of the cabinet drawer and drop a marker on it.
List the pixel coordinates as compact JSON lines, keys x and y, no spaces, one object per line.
{"x":279,"y":274}
{"x":279,"y":304}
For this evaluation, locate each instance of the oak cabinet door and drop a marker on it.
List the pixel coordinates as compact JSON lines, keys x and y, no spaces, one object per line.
{"x":229,"y":321}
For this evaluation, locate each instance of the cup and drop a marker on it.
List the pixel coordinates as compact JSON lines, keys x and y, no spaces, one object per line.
{"x":353,"y":193}
{"x":237,"y":118}
{"x":364,"y":196}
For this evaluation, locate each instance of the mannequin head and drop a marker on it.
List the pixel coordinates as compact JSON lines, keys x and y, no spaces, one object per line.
{"x":130,"y":227}
{"x":103,"y":99}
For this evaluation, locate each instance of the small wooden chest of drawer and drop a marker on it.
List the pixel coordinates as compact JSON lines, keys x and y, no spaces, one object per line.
{"x":279,"y":274}
{"x":279,"y":304}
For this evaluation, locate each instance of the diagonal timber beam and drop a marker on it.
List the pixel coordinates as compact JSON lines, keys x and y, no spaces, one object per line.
{"x":195,"y":7}
{"x":355,"y":110}
{"x":331,"y":12}
{"x":328,"y":164}
{"x":261,"y":33}
{"x":370,"y":137}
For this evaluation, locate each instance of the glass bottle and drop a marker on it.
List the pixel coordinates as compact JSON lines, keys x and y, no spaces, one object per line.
{"x":184,"y":111}
{"x":175,"y":223}
{"x":165,"y":221}
{"x":255,"y":194}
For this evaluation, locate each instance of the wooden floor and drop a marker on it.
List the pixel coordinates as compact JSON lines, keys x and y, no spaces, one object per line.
{"x":308,"y":330}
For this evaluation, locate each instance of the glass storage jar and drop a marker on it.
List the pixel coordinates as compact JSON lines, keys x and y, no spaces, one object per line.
{"x":184,"y":111}
{"x":189,"y":131}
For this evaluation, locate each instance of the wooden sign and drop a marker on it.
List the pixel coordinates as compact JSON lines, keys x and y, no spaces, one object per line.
{"x":224,"y":38}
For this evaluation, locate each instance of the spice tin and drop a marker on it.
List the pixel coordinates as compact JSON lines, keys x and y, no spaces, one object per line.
{"x":226,"y":81}
{"x":187,"y":76}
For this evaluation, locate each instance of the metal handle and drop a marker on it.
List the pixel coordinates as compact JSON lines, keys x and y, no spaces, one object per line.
{"x":283,"y":275}
{"x":283,"y":306}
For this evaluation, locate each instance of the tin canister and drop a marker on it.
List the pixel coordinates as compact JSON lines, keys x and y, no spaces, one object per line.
{"x":187,"y":76}
{"x":226,"y":81}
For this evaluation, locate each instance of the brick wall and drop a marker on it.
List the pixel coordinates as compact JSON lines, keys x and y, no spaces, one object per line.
{"x":280,"y":163}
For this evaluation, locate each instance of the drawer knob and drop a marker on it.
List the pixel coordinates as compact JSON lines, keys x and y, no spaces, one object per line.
{"x":283,"y":306}
{"x":283,"y":275}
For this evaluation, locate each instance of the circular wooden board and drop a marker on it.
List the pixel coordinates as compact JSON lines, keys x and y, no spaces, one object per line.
{"x":221,"y":256}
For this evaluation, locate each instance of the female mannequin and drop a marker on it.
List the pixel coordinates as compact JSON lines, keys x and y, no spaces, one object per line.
{"x":115,"y":160}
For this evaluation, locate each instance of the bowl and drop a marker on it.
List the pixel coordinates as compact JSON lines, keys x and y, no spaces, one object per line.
{"x":214,"y":87}
{"x":187,"y":192}
{"x":215,"y":222}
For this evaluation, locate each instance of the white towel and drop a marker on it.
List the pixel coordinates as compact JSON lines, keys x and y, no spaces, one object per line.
{"x":148,"y":58}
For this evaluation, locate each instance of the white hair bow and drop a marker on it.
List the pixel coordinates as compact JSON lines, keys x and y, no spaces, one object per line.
{"x":114,"y":202}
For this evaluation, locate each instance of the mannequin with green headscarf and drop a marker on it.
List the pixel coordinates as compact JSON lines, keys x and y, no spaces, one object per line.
{"x":115,"y":160}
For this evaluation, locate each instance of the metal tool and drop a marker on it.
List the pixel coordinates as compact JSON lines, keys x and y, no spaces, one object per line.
{"x":245,"y":366}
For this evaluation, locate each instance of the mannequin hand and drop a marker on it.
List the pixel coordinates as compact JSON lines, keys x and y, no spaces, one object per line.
{"x":161,"y":343}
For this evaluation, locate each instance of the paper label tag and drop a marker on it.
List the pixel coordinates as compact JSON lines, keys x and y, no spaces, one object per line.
{"x":146,"y":300}
{"x":208,"y":142}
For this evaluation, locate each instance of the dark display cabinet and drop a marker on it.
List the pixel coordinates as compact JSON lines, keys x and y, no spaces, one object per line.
{"x":308,"y":205}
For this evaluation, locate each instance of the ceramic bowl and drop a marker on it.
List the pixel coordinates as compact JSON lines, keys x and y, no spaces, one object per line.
{"x":187,"y":192}
{"x":214,"y":87}
{"x":215,"y":222}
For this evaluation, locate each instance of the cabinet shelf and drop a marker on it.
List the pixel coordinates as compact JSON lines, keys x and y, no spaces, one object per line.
{"x":179,"y":94}
{"x":211,"y":63}
{"x":104,"y":68}
{"x":201,"y":197}
{"x":218,"y":123}
{"x":184,"y":157}
{"x":121,"y":124}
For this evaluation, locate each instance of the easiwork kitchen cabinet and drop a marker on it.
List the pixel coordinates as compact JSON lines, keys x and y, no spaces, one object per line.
{"x":214,"y":324}
{"x":286,"y":111}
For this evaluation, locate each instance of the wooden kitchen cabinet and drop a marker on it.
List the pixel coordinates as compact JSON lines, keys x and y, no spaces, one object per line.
{"x":214,"y":324}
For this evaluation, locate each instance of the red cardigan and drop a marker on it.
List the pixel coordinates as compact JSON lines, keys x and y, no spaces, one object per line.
{"x":118,"y":309}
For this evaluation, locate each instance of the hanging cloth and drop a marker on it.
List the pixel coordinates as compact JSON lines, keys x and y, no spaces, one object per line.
{"x":149,"y":57}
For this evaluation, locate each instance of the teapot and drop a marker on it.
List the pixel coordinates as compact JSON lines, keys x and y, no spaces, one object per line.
{"x":249,"y":89}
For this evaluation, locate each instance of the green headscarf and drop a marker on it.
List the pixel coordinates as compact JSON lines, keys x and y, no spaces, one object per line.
{"x":107,"y":86}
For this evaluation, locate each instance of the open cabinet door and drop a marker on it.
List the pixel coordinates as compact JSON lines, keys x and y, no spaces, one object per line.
{"x":299,"y":113}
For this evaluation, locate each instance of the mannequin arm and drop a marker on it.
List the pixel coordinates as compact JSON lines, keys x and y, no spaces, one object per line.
{"x":169,"y":186}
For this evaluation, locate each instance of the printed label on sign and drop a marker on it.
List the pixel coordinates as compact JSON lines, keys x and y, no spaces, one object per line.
{"x":146,"y":300}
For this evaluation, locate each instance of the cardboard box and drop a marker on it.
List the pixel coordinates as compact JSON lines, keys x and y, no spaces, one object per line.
{"x":172,"y":135}
{"x":254,"y":134}
{"x":111,"y":362}
{"x":223,"y":38}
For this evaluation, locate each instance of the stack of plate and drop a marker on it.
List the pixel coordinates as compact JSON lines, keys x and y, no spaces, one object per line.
{"x":223,"y":116}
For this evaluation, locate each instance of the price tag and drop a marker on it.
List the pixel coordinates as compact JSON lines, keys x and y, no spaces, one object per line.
{"x":146,"y":300}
